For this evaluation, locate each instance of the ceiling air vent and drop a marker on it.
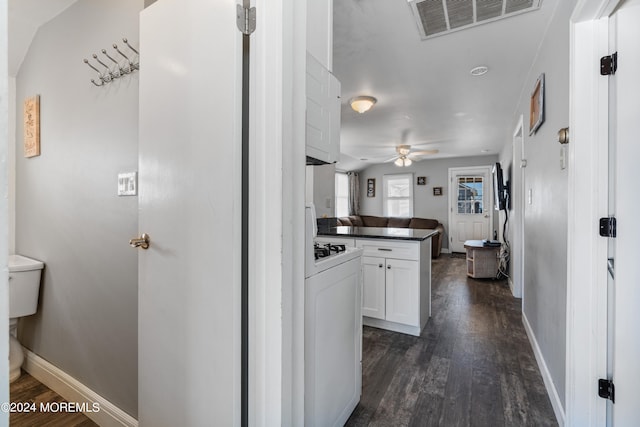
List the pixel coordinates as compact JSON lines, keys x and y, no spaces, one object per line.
{"x":439,"y":17}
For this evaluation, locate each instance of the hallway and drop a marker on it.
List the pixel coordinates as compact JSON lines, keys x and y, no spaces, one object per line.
{"x":473,"y":364}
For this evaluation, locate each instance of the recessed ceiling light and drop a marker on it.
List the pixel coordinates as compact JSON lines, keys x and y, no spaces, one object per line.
{"x":479,"y":71}
{"x":484,"y":151}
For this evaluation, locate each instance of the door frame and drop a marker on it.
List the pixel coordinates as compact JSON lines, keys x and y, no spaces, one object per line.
{"x":518,"y":207}
{"x":453,"y":191}
{"x":586,"y":345}
{"x":4,"y":213}
{"x":276,"y":217}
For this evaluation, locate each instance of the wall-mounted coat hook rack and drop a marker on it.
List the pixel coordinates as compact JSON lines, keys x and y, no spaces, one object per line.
{"x":117,"y":70}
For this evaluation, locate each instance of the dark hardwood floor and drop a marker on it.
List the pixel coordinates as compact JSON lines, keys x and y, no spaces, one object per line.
{"x":472,"y":366}
{"x":27,"y":389}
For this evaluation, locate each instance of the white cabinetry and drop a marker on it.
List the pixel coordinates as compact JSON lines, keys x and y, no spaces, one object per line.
{"x":374,"y":281}
{"x":403,"y":290}
{"x":390,"y":291}
{"x":332,"y":345}
{"x":396,"y":284}
{"x":323,"y":113}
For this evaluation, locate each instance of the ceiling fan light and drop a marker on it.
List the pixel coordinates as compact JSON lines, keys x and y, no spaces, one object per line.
{"x":399,"y":162}
{"x":407,"y":162}
{"x":403,"y":150}
{"x":362,"y":104}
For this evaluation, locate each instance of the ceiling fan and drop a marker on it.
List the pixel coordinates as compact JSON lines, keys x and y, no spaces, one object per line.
{"x":405,"y":156}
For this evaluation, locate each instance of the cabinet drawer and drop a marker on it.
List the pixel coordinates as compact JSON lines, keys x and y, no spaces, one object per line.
{"x":389,"y":249}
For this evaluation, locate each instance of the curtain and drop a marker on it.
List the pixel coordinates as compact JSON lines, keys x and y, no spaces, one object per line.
{"x":354,"y":193}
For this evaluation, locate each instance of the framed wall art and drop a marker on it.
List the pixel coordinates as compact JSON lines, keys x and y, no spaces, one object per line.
{"x":32,"y":126}
{"x":422,"y":180}
{"x":371,"y":187}
{"x":437,"y":191}
{"x":536,"y":115}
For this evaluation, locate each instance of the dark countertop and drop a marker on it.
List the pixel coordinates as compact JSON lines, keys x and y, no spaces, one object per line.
{"x":413,"y":234}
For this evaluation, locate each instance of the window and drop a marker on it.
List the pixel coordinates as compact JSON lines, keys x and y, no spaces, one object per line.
{"x":342,"y":194}
{"x":470,"y":194}
{"x":397,"y":195}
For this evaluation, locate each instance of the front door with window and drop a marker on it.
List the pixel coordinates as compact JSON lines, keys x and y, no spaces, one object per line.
{"x":470,"y":212}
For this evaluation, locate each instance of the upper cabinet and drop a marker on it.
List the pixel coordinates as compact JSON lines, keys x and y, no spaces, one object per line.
{"x":323,"y":113}
{"x":323,"y":89}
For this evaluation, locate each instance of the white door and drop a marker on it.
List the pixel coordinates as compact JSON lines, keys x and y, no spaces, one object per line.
{"x":402,"y":298}
{"x":624,"y":204}
{"x":189,"y":178}
{"x":471,"y":209}
{"x":373,"y":287}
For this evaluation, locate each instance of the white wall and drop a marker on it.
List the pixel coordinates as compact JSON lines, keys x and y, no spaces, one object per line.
{"x":67,"y":211}
{"x":320,"y":31}
{"x":324,"y":190}
{"x":425,"y":204}
{"x":545,"y":234}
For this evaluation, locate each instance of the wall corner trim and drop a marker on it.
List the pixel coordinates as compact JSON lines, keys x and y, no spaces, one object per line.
{"x":546,"y":375}
{"x":74,"y":391}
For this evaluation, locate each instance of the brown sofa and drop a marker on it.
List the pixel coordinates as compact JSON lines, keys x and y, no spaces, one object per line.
{"x":383,"y":221}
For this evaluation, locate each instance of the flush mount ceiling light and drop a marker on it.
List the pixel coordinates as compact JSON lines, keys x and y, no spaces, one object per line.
{"x":479,"y":71}
{"x":362,"y":104}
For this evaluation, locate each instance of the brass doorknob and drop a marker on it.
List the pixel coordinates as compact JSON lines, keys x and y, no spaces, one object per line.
{"x":140,"y":242}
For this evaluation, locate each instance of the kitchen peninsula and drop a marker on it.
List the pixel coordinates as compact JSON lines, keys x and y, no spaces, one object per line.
{"x":396,"y":274}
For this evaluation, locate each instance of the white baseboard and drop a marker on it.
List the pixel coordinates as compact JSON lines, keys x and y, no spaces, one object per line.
{"x":74,"y":391}
{"x":546,"y":375}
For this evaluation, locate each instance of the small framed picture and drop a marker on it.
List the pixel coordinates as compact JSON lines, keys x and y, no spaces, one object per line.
{"x":32,"y":126}
{"x":437,"y":191}
{"x":371,"y":187}
{"x":422,"y":180}
{"x":536,"y":116}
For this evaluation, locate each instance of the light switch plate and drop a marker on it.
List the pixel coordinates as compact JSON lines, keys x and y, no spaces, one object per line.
{"x":128,"y":184}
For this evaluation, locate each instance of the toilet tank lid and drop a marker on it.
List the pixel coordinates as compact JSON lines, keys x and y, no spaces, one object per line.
{"x":22,"y":263}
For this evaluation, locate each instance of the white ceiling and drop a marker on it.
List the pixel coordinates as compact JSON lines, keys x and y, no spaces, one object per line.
{"x":424,"y":88}
{"x":25,"y":17}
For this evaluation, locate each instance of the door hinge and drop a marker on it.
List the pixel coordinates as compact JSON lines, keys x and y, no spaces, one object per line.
{"x":609,"y":64}
{"x":608,"y":227}
{"x":246,"y":19}
{"x":606,"y":390}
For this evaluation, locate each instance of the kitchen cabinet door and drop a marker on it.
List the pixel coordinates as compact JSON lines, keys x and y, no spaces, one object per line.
{"x":373,"y":287}
{"x":323,"y":113}
{"x":402,"y":295}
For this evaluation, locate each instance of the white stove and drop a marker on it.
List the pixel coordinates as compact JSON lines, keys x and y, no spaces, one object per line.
{"x":332,"y":330}
{"x":322,"y":255}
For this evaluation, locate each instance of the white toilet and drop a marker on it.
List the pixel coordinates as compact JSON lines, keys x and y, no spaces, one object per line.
{"x":24,"y":287}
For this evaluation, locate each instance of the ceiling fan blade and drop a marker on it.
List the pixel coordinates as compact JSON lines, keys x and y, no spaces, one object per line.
{"x":425,"y":152}
{"x":414,"y":158}
{"x":391,"y":159}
